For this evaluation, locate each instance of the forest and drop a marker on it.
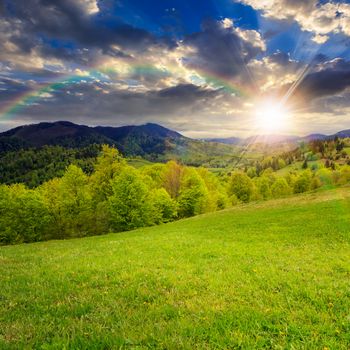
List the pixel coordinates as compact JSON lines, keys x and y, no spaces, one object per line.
{"x":109,"y":195}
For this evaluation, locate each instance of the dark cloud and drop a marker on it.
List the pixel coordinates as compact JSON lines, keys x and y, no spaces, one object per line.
{"x":280,"y":58}
{"x":101,"y":103}
{"x":326,"y":79}
{"x":185,"y":93}
{"x":220,"y":50}
{"x":67,"y":20}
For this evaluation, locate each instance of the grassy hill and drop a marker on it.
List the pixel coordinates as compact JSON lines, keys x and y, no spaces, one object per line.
{"x":267,"y":275}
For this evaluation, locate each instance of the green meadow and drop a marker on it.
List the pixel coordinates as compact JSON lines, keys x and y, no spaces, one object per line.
{"x":272,"y":275}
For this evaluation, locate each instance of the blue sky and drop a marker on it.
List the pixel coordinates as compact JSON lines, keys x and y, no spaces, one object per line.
{"x":209,"y":68}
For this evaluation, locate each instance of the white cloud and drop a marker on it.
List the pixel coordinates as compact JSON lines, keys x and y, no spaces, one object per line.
{"x":321,"y":19}
{"x":90,"y":6}
{"x":320,"y":39}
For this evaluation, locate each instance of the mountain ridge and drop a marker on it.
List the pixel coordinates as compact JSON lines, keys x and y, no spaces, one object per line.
{"x":149,"y":138}
{"x":275,"y":138}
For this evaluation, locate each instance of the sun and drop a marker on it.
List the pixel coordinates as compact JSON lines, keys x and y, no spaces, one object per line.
{"x":271,"y":116}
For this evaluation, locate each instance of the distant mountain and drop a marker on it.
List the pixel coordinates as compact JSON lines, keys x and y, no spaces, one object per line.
{"x":275,"y":139}
{"x":313,"y":137}
{"x":143,"y":139}
{"x":343,"y":134}
{"x":228,"y":140}
{"x":133,"y":140}
{"x":151,"y":141}
{"x":60,"y":133}
{"x":269,"y":139}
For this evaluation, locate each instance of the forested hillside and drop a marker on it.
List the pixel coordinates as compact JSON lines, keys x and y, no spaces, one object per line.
{"x":150,"y":141}
{"x":112,"y":196}
{"x":33,"y":166}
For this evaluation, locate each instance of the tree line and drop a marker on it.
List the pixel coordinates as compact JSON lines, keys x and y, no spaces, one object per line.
{"x":35,"y":166}
{"x":116,"y":197}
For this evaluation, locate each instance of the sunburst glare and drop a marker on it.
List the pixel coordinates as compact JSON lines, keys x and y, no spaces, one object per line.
{"x":272,"y":116}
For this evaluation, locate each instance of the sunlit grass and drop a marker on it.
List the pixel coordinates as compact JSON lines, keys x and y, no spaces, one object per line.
{"x":268,"y":275}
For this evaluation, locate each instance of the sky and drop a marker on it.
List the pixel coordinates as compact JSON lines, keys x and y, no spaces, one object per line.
{"x":204,"y":68}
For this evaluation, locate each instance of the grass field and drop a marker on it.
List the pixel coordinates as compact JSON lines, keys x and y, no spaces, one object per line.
{"x":270,"y":275}
{"x":138,"y":163}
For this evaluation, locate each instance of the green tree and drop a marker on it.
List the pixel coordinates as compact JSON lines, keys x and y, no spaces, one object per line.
{"x":345,"y":174}
{"x":241,"y":186}
{"x":325,"y":176}
{"x":23,"y":215}
{"x":280,"y":188}
{"x":155,"y":173}
{"x":130,"y":205}
{"x":76,"y":202}
{"x":193,"y":197}
{"x":172,"y":178}
{"x":164,"y":207}
{"x":217,"y":196}
{"x":263,"y":186}
{"x":69,"y":203}
{"x":303,"y":182}
{"x":108,"y":164}
{"x":251,"y":172}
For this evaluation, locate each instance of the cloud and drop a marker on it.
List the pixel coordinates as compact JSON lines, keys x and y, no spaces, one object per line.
{"x":81,"y":23}
{"x":275,"y":71}
{"x":221,"y":49}
{"x":322,"y":18}
{"x":89,"y":6}
{"x":113,"y":73}
{"x":325,"y":79}
{"x":185,"y":107}
{"x":82,"y":99}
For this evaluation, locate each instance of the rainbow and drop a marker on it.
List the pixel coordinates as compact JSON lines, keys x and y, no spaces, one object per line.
{"x":197,"y":76}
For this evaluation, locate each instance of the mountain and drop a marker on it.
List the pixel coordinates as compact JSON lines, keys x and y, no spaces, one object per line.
{"x":133,"y":140}
{"x":270,"y":139}
{"x":275,"y":139}
{"x":142,"y":139}
{"x":151,"y":141}
{"x":313,"y":137}
{"x":343,"y":134}
{"x":60,"y":133}
{"x":227,"y":141}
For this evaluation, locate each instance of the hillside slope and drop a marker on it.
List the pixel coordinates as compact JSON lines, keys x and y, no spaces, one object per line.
{"x":266,"y":275}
